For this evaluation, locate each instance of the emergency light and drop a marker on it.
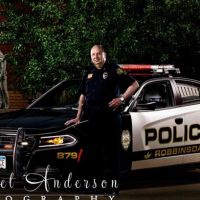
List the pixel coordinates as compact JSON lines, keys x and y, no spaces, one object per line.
{"x":149,"y":70}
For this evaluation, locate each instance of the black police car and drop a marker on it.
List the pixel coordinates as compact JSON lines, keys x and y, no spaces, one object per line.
{"x":160,"y":128}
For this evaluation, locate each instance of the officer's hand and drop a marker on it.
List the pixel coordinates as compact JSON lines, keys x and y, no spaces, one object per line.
{"x":72,"y":121}
{"x":115,"y":103}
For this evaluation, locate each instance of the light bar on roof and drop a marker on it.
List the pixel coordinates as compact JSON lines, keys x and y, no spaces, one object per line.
{"x":166,"y":69}
{"x":145,"y":67}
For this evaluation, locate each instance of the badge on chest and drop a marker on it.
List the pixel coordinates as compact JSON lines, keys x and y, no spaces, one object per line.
{"x":105,"y":75}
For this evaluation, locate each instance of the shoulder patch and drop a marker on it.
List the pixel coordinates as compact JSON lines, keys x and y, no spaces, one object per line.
{"x":120,"y":71}
{"x":89,"y":76}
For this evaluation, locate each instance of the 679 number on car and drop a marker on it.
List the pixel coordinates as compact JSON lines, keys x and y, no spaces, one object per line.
{"x":70,"y":155}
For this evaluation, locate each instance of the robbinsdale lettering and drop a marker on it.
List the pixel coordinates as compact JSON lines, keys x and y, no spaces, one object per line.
{"x":177,"y":151}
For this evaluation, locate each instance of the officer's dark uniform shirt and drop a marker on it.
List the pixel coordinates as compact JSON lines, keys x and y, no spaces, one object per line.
{"x":100,"y":86}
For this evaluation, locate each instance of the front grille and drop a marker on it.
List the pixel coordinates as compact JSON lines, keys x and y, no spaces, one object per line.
{"x":7,"y":138}
{"x":7,"y":142}
{"x":8,"y":131}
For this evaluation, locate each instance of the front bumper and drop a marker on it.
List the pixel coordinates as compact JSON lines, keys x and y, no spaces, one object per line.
{"x":27,"y":156}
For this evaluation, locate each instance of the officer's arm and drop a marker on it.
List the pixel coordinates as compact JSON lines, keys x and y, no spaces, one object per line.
{"x":130,"y":90}
{"x":128,"y":93}
{"x":80,"y":106}
{"x":79,"y":113}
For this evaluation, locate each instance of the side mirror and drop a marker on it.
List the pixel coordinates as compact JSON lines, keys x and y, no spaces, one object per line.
{"x":146,"y":106}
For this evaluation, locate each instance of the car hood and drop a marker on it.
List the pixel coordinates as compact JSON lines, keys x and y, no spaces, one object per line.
{"x":36,"y":118}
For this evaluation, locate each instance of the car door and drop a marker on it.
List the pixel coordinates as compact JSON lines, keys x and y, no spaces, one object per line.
{"x":157,"y":130}
{"x":189,"y":91}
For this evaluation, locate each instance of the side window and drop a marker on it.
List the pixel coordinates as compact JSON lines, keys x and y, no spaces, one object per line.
{"x":189,"y":92}
{"x":157,"y":93}
{"x":63,"y":95}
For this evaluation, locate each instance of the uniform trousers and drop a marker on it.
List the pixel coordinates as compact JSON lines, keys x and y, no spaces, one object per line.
{"x":104,"y":148}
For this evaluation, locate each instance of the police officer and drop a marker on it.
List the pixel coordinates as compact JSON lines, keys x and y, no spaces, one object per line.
{"x":103,"y":89}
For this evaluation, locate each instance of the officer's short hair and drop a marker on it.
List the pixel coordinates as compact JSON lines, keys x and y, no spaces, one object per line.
{"x":102,"y":49}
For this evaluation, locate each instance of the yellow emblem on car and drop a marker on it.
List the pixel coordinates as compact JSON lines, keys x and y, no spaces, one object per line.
{"x":147,"y":156}
{"x":56,"y":140}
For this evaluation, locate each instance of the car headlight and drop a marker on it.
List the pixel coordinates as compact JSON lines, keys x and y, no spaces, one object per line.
{"x":58,"y":140}
{"x":126,"y":139}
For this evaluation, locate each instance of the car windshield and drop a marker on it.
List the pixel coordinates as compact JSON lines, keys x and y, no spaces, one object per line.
{"x":63,"y":95}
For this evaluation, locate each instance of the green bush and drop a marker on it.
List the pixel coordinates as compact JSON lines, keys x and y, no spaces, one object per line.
{"x":52,"y":39}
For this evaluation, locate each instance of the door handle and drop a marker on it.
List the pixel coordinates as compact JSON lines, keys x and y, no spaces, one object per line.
{"x":179,"y":120}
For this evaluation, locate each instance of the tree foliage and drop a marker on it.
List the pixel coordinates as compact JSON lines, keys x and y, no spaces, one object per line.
{"x":52,"y":38}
